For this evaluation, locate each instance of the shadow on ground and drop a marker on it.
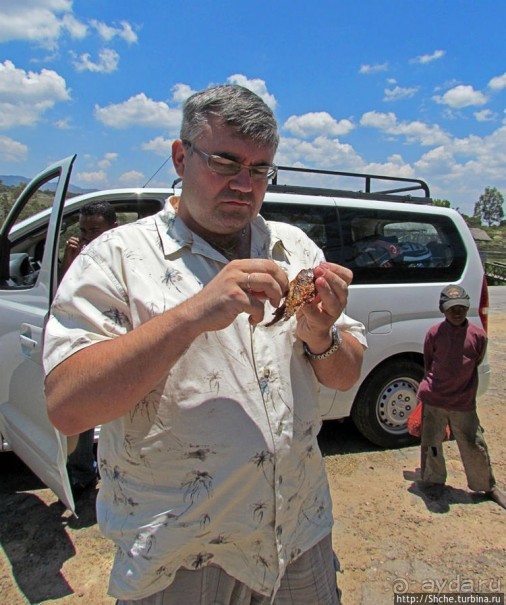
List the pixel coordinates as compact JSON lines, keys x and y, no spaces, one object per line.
{"x":36,"y":550}
{"x":439,"y":499}
{"x":342,"y":437}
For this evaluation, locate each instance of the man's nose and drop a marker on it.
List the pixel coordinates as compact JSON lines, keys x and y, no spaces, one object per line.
{"x":242,"y":180}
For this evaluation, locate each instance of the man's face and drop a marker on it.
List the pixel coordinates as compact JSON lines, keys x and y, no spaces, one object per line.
{"x":456,"y":315}
{"x":91,"y":227}
{"x":212,"y":203}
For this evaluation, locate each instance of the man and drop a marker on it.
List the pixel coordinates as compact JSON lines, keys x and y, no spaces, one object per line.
{"x":95,"y":218}
{"x":213,"y":486}
{"x":453,"y":350}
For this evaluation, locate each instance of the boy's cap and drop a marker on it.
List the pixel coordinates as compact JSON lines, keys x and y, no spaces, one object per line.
{"x":453,"y":295}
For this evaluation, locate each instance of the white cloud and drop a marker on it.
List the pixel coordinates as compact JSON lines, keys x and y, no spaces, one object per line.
{"x":397,"y":93}
{"x":107,"y":63}
{"x":317,"y":123}
{"x":394,"y":166}
{"x":422,"y":59}
{"x":485,"y":115}
{"x":322,"y":152}
{"x":64,"y":123}
{"x":455,"y":168}
{"x":92,"y":178}
{"x":498,"y":83}
{"x":75,"y":28}
{"x":11,"y":150}
{"x":107,"y":32}
{"x":158,"y":145}
{"x":37,"y":22}
{"x":132,"y":178}
{"x":255,"y":85}
{"x":25,"y":96}
{"x":107,"y":160}
{"x":415,"y":131}
{"x":376,"y":119}
{"x":439,"y":160}
{"x":461,"y":96}
{"x":16,"y":84}
{"x":373,"y":69}
{"x":180,"y":92}
{"x":44,"y":22}
{"x":139,"y":110}
{"x":490,"y":151}
{"x":460,"y":169}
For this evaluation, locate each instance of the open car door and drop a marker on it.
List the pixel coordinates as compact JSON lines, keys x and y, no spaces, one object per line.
{"x":28,"y":282}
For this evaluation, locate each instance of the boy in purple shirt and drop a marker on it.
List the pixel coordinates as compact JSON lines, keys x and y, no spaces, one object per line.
{"x":453,"y":351}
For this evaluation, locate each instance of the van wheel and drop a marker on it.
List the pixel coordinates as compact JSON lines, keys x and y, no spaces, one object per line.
{"x":385,"y":401}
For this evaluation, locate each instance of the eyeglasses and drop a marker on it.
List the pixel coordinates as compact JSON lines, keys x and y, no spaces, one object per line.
{"x":226,"y":167}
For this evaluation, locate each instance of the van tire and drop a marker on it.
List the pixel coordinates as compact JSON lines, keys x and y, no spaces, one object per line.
{"x":385,"y":400}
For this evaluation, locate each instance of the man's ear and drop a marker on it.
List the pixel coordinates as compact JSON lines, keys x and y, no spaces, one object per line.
{"x":178,"y":156}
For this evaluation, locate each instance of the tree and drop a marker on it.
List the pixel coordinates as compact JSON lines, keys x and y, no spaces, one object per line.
{"x":444,"y":203}
{"x":489,"y":208}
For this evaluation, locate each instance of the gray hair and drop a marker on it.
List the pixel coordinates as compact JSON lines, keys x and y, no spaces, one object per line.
{"x":234,"y":106}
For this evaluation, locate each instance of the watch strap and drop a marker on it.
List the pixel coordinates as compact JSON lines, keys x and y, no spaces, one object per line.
{"x":337,"y":341}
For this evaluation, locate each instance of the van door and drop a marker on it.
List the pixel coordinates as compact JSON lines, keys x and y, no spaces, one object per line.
{"x":28,"y":282}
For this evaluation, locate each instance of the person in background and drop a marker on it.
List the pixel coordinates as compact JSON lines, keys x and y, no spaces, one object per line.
{"x":213,"y":486}
{"x":95,"y":218}
{"x":453,"y":350}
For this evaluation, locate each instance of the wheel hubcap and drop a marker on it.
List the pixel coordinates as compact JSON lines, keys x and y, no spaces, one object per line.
{"x":396,"y":402}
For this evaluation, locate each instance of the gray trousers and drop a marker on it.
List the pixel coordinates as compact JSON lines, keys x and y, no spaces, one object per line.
{"x":310,"y":580}
{"x":466,"y":429}
{"x":81,"y":463}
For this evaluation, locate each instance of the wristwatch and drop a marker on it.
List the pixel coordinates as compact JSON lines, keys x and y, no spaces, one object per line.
{"x":337,"y":341}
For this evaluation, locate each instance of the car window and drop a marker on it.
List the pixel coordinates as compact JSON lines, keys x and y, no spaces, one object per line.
{"x":318,"y":222}
{"x":380,"y":246}
{"x":23,"y":249}
{"x":383,"y":246}
{"x":21,"y":256}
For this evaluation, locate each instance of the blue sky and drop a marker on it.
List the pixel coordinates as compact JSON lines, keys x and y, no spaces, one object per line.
{"x":400,"y":87}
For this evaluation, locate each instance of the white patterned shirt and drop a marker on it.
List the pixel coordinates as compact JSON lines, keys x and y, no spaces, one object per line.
{"x":220,"y":463}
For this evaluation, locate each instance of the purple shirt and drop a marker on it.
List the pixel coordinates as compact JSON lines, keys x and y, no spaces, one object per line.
{"x":451,"y":356}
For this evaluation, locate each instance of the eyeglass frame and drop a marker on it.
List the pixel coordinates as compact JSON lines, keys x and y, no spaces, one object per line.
{"x":209,"y":157}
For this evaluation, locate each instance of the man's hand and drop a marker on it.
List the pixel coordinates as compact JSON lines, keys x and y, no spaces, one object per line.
{"x":72,"y":248}
{"x":242,"y":286}
{"x":314,"y":320}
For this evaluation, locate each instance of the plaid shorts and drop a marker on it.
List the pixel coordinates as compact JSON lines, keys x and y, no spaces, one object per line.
{"x":311,"y":579}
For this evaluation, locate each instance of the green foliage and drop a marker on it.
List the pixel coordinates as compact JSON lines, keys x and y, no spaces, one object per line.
{"x":444,"y":203}
{"x":489,"y":207}
{"x":472,"y":221}
{"x":40,"y":200}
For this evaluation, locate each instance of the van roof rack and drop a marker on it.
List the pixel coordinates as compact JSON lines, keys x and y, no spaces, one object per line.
{"x":370,"y":180}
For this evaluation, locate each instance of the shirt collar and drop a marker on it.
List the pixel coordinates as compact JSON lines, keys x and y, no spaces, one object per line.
{"x":266,"y":240}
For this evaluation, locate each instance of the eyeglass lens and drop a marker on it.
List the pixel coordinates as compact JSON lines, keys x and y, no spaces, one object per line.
{"x":227,"y":167}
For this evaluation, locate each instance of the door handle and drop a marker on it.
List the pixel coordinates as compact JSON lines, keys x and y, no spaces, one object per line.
{"x":26,"y":342}
{"x":30,"y":338}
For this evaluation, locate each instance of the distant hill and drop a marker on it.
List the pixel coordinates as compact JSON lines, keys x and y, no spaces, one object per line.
{"x":11,"y":180}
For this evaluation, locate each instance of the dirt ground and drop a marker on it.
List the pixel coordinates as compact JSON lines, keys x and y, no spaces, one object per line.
{"x":388,"y":535}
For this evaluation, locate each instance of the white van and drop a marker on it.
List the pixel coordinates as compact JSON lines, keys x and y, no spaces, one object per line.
{"x":401,"y":248}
